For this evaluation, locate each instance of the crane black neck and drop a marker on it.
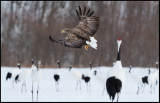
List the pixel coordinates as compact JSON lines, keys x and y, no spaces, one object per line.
{"x":58,"y":62}
{"x":19,"y":66}
{"x":149,"y":72}
{"x":58,"y":65}
{"x":90,"y":66}
{"x":157,"y":66}
{"x":32,"y":61}
{"x":118,"y":54}
{"x":130,"y":69}
{"x":70,"y":68}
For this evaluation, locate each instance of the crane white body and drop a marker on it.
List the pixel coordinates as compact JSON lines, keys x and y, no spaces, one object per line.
{"x":117,"y":71}
{"x":152,"y":79}
{"x":77,"y":76}
{"x":23,"y":76}
{"x":36,"y":76}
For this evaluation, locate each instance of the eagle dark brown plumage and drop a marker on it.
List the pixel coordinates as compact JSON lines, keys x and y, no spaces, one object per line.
{"x":87,"y":27}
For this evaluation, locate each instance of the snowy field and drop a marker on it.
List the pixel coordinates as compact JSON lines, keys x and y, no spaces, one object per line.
{"x":67,"y":87}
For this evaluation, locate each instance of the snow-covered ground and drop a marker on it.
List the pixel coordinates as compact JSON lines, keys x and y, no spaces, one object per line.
{"x":67,"y":86}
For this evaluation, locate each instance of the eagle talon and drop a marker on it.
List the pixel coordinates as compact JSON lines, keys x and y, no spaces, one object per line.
{"x":86,"y":47}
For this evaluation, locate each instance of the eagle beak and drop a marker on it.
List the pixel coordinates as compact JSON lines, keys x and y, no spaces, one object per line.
{"x":86,"y":47}
{"x":62,"y":31}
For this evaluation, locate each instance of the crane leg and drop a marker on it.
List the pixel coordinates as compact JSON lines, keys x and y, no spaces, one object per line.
{"x":138,"y":90}
{"x":25,"y":88}
{"x":151,"y":89}
{"x":32,"y":91}
{"x":143,"y":88}
{"x":103,"y":91}
{"x":22,"y":88}
{"x":90,"y":86}
{"x":13,"y":84}
{"x":80,"y":84}
{"x":117,"y":96}
{"x":77,"y":86}
{"x":37,"y":92}
{"x":58,"y":86}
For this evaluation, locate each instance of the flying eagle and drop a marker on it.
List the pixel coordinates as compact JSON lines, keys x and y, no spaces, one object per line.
{"x":83,"y":33}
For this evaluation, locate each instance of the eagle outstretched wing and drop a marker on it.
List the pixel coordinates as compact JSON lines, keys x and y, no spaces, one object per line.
{"x":88,"y":24}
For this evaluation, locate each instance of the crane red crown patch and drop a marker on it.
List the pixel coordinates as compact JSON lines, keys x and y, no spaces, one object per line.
{"x":119,"y":39}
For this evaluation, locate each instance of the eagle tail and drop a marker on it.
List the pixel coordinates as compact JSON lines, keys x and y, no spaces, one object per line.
{"x":92,"y":43}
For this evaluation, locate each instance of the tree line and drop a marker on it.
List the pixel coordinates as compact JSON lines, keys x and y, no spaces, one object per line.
{"x":26,"y":26}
